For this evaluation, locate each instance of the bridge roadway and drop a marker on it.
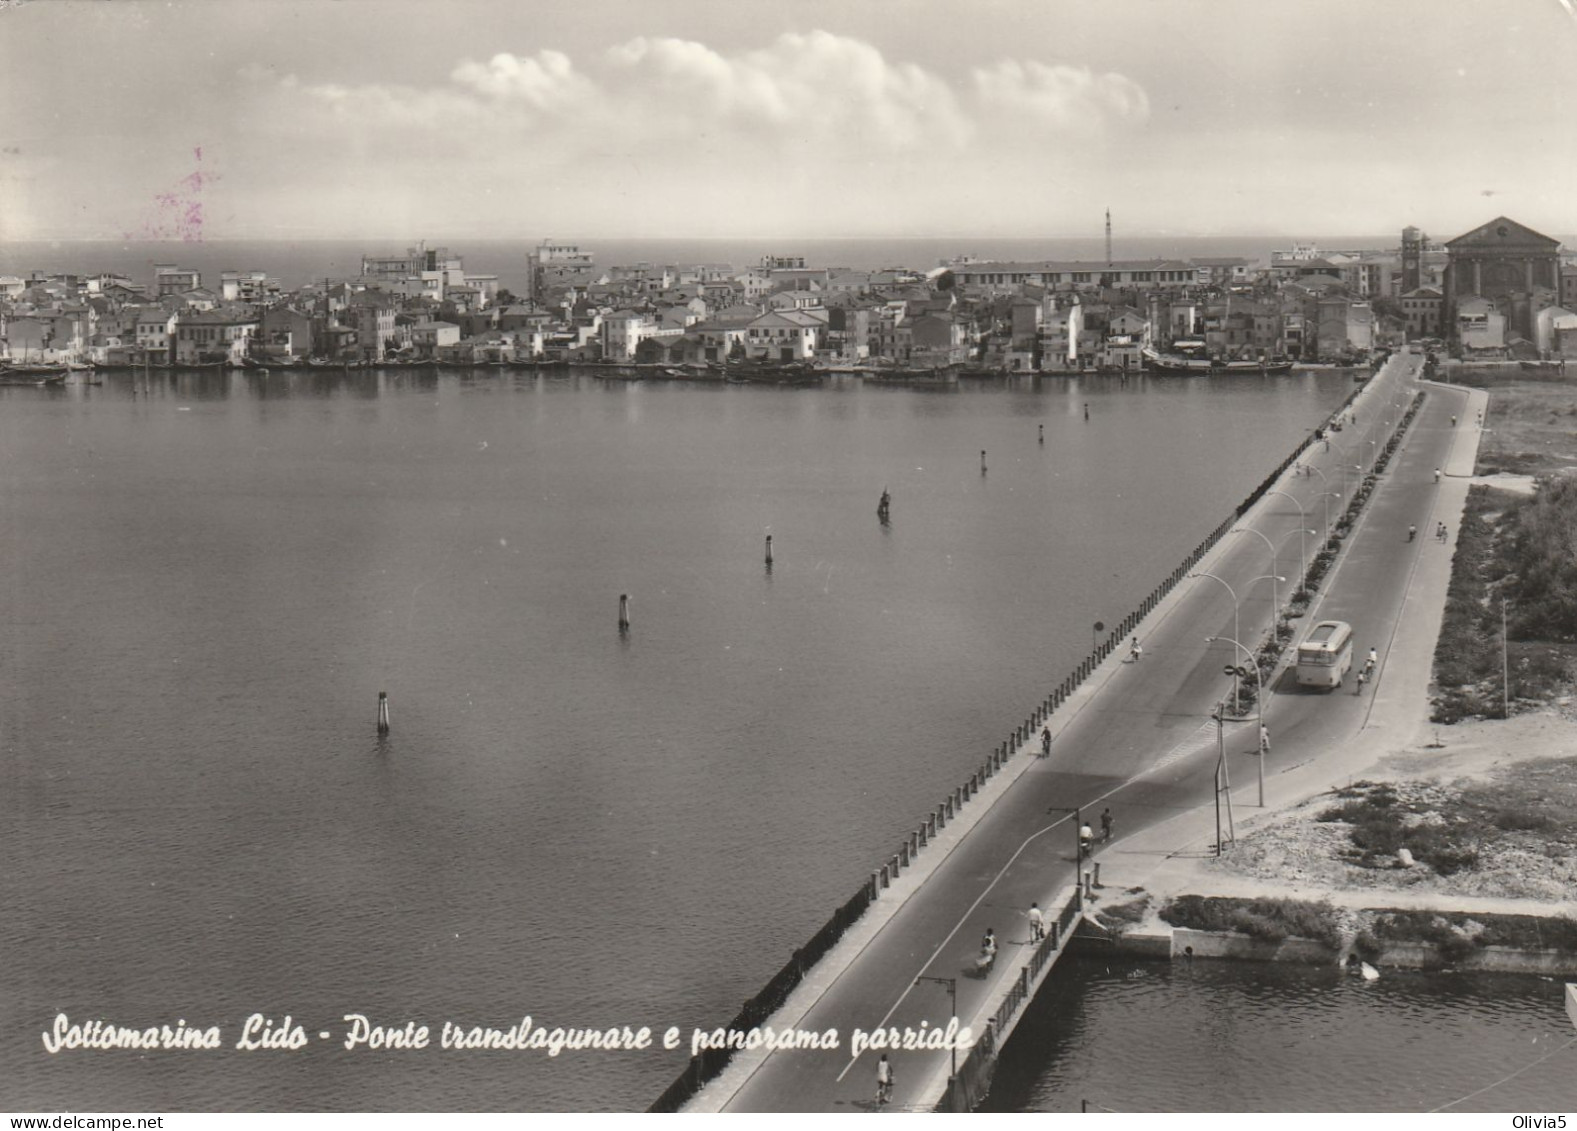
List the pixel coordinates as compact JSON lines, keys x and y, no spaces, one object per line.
{"x":1137,"y":738}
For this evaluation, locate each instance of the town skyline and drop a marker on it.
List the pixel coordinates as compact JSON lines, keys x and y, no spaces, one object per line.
{"x":296,"y":119}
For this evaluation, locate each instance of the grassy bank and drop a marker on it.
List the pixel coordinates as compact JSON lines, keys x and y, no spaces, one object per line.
{"x":1372,"y":931}
{"x":1516,"y":558}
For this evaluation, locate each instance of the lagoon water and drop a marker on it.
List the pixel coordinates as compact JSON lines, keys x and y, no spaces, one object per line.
{"x":1226,"y":1036}
{"x":208,"y":580}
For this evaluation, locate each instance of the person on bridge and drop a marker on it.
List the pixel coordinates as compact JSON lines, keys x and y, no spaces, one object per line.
{"x":1264,"y":739}
{"x":1037,"y":923}
{"x":1443,"y":534}
{"x":1106,"y":825}
{"x":1045,"y":742}
{"x":884,"y":1081}
{"x":1369,"y":664}
{"x":988,"y":951}
{"x":1086,"y":839}
{"x":1437,"y":475}
{"x":1134,"y":650}
{"x":1412,"y":532}
{"x":1362,"y":675}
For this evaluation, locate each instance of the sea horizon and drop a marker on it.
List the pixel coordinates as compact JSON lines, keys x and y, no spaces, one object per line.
{"x":294,"y":263}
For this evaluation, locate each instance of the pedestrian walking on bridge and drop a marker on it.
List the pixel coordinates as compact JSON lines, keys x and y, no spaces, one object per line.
{"x":884,"y":1081}
{"x":1106,"y":825}
{"x":1037,"y":923}
{"x":1045,"y":742}
{"x":1362,"y":675}
{"x":1264,"y":739}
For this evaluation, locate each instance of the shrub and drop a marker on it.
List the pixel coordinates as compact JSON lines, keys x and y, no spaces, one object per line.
{"x":1270,"y":919}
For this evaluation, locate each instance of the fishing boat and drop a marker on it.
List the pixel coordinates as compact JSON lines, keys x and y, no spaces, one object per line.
{"x":1157,"y":362}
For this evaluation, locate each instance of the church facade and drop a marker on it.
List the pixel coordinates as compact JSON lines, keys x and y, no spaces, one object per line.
{"x":1510,"y":267}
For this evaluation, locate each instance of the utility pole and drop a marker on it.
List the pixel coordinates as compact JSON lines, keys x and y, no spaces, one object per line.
{"x":1223,"y":778}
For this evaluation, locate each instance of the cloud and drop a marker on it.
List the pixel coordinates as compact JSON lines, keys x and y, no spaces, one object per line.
{"x":1060,"y":97}
{"x":546,"y":81}
{"x":811,"y":86}
{"x":809,"y":130}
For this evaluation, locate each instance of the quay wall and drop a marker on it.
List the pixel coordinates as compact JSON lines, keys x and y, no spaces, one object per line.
{"x":708,"y":1064}
{"x":1184,"y":944}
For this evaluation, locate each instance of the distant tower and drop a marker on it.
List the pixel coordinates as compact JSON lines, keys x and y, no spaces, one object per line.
{"x":1110,"y":276}
{"x":1412,"y":259}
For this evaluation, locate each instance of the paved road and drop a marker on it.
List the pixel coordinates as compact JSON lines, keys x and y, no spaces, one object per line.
{"x":1139,"y":740}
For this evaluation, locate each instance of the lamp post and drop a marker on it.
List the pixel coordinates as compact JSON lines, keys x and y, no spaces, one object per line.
{"x":952,"y":999}
{"x":1078,"y":849}
{"x":1235,"y":632}
{"x":1327,"y":499}
{"x":1275,"y":605}
{"x":1219,"y":715}
{"x":1505,"y":668}
{"x":1259,"y":701}
{"x":1303,"y":547}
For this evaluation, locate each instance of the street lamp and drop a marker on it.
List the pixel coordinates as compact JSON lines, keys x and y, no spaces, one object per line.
{"x":1235,"y":632}
{"x":1303,"y":547}
{"x":1505,"y":669}
{"x":1259,"y":702}
{"x":952,"y":998}
{"x":1275,"y":604}
{"x":1078,"y":848}
{"x":1326,"y":497}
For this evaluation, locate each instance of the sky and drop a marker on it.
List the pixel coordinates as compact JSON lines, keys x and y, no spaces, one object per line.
{"x":291,"y":119}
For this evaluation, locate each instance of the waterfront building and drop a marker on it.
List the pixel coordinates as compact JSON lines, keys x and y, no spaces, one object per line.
{"x":154,"y":333}
{"x":431,"y":336}
{"x":937,"y":340}
{"x":1421,"y":307}
{"x":222,"y":334}
{"x":286,"y":334}
{"x":624,"y":330}
{"x":373,"y":316}
{"x":785,"y":335}
{"x":719,"y":340}
{"x":1345,"y":328}
{"x":1506,"y":264}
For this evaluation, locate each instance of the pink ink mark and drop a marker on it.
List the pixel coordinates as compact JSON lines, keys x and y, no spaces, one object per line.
{"x":178,"y":214}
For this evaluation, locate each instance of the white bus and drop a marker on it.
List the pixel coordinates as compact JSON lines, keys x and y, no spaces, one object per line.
{"x":1325,"y":655}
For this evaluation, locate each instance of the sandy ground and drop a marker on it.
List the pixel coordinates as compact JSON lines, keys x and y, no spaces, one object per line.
{"x":1290,"y":853}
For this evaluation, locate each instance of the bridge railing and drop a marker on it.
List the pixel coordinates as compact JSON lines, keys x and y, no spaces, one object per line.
{"x":969,"y":1085}
{"x":706,"y":1065}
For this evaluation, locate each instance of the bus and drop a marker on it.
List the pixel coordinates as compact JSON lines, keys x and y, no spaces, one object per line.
{"x":1325,"y":655}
